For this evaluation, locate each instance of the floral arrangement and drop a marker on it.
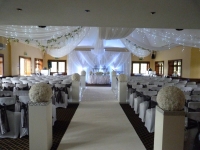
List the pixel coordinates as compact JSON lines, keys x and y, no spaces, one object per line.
{"x":83,"y":73}
{"x":171,"y":98}
{"x":76,"y":77}
{"x":40,"y":92}
{"x":122,"y":78}
{"x":113,"y":73}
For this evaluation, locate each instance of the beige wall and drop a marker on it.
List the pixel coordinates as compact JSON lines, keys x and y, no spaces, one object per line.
{"x":7,"y":54}
{"x":19,"y":49}
{"x":49,"y":57}
{"x":195,"y":63}
{"x":176,"y":53}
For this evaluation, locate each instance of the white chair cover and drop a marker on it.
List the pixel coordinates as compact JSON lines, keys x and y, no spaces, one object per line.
{"x":131,"y":99}
{"x":150,"y":119}
{"x":13,"y":119}
{"x":142,"y":110}
{"x":63,"y":94}
{"x":137,"y":102}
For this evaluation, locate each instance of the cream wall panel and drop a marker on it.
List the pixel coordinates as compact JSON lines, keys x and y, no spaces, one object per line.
{"x":19,"y":49}
{"x":195,"y":63}
{"x":176,"y":53}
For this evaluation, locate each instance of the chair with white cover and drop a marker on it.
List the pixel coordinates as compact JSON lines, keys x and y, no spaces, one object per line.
{"x":6,"y":80}
{"x":8,"y":86}
{"x":11,"y":124}
{"x":196,"y":91}
{"x":156,"y":89}
{"x":168,"y":84}
{"x":137,"y":102}
{"x":195,"y":98}
{"x":183,"y":82}
{"x":179,"y":85}
{"x":60,"y":96}
{"x":191,"y":83}
{"x":24,"y":115}
{"x":131,"y":99}
{"x":15,"y":81}
{"x":192,"y":86}
{"x":186,"y":90}
{"x":145,"y":105}
{"x":150,"y":119}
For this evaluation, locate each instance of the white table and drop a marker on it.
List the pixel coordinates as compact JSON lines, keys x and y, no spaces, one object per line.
{"x":99,"y":79}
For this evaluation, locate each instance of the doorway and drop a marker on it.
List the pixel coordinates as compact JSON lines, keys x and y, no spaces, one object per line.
{"x":24,"y":66}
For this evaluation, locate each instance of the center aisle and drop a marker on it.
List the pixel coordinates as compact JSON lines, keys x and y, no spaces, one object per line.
{"x":100,"y":123}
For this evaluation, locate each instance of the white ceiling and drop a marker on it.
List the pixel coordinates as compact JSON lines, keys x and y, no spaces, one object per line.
{"x":103,"y":13}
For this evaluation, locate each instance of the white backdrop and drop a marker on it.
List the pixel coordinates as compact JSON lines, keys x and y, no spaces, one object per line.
{"x":86,"y":60}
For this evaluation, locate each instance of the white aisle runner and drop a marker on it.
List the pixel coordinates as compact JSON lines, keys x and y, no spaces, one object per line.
{"x":100,"y":124}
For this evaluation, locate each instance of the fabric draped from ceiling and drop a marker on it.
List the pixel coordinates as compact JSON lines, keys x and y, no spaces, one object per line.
{"x":86,"y":60}
{"x":109,"y":33}
{"x":57,"y":41}
{"x":70,"y":44}
{"x":136,"y":50}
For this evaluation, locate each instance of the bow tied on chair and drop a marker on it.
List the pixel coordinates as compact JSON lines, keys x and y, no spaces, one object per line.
{"x":58,"y":95}
{"x":4,"y":125}
{"x":24,"y":107}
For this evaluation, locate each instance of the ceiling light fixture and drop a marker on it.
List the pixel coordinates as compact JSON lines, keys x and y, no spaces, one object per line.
{"x":153,"y":12}
{"x":87,"y":10}
{"x":42,"y":26}
{"x":19,"y":9}
{"x":179,"y":29}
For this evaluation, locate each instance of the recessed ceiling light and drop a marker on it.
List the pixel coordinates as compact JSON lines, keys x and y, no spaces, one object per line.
{"x":153,"y":12}
{"x":42,"y":26}
{"x":87,"y":10}
{"x":179,"y":29}
{"x":19,"y":9}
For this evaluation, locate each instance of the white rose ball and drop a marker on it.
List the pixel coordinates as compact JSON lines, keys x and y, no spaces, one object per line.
{"x":113,"y":73}
{"x":122,"y":78}
{"x":83,"y":73}
{"x":171,"y":98}
{"x":40,"y":92}
{"x":76,"y":77}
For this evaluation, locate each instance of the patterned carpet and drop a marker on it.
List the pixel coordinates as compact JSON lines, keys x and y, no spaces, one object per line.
{"x":146,"y":137}
{"x":64,"y":117}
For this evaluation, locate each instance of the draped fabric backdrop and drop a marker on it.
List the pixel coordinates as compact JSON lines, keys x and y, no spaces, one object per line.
{"x":86,"y":60}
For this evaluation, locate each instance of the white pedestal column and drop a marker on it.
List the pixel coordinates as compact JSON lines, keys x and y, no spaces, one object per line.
{"x":169,"y":130}
{"x":75,"y":91}
{"x":40,"y":126}
{"x":83,"y":81}
{"x":122,"y":91}
{"x":114,"y":82}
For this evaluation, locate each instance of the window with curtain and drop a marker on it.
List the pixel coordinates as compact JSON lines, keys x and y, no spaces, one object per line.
{"x":140,"y":67}
{"x":175,"y":66}
{"x":58,"y":66}
{"x":159,"y":67}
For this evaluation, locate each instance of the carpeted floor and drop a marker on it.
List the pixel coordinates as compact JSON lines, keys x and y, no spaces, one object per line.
{"x":64,"y":117}
{"x":146,"y":137}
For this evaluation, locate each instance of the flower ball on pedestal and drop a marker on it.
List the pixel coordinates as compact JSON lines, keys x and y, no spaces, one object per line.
{"x":40,"y":92}
{"x":83,"y":73}
{"x":113,"y":73}
{"x":122,"y":78}
{"x":76,"y":77}
{"x":171,"y":98}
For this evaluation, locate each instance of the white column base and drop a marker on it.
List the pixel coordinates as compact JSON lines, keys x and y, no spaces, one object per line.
{"x":122,"y":90}
{"x":113,"y":83}
{"x":40,"y":126}
{"x":75,"y":91}
{"x":82,"y":82}
{"x":169,"y":130}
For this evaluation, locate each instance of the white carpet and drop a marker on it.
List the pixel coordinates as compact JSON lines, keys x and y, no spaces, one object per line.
{"x":100,"y":124}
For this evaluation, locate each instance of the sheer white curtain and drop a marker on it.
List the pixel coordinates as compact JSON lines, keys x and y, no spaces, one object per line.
{"x":109,"y":33}
{"x":86,"y":60}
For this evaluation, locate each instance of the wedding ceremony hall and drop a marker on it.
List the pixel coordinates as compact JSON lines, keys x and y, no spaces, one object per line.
{"x":85,"y":75}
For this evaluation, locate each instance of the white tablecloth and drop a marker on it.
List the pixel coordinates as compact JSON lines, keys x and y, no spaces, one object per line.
{"x":99,"y":79}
